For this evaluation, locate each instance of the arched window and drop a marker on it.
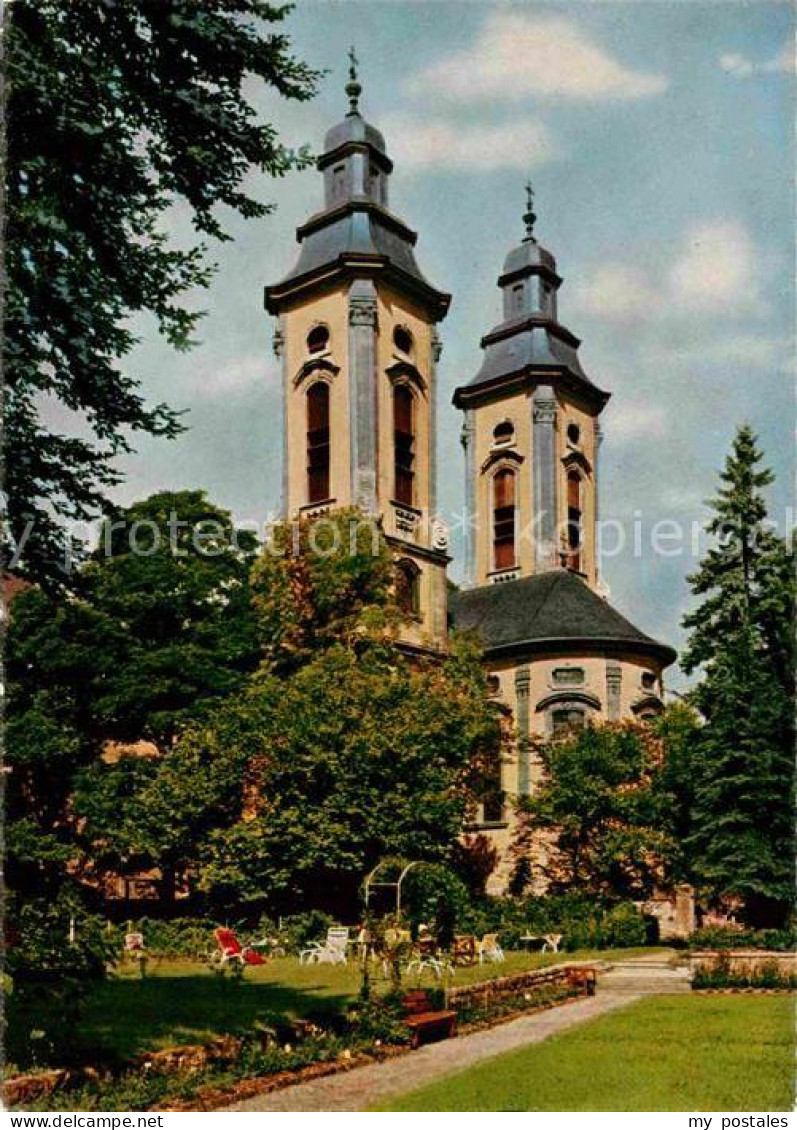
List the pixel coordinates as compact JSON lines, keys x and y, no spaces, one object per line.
{"x":574,"y":522}
{"x":317,"y":339}
{"x":489,"y":782}
{"x":504,"y":519}
{"x":408,"y":586}
{"x":503,"y":434}
{"x":566,"y":721}
{"x":403,"y":445}
{"x":318,"y":442}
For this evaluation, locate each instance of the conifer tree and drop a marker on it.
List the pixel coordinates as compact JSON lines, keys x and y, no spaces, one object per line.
{"x":741,"y":841}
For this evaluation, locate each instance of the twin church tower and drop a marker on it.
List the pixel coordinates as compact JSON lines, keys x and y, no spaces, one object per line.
{"x":358,"y":338}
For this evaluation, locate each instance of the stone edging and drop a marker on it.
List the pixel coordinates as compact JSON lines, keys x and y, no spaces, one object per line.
{"x":757,"y":992}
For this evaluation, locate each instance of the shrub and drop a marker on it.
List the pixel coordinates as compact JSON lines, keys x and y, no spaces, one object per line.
{"x":729,"y":938}
{"x":379,"y":1020}
{"x":522,"y":1001}
{"x":177,"y":937}
{"x":583,"y":921}
{"x":58,"y":952}
{"x":435,"y":895}
{"x":624,"y":926}
{"x":302,"y":929}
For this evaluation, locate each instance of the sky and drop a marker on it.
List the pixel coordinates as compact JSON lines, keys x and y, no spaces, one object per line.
{"x":658,"y":138}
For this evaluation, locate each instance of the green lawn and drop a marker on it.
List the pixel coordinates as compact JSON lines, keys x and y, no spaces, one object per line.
{"x":678,"y":1053}
{"x":183,"y":1002}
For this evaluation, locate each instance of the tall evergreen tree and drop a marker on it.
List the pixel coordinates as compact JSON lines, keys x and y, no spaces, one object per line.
{"x":741,"y":840}
{"x":116,"y":112}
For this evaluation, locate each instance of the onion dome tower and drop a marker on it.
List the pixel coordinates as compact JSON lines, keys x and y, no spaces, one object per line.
{"x":358,"y":340}
{"x":559,"y":655}
{"x":531,"y":431}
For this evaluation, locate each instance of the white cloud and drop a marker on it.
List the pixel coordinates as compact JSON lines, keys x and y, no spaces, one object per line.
{"x":518,"y":54}
{"x":735,"y":64}
{"x":714,"y":271}
{"x":630,"y":421}
{"x":617,"y":291}
{"x":741,"y":67}
{"x":743,"y":351}
{"x":235,"y":377}
{"x":422,"y":144}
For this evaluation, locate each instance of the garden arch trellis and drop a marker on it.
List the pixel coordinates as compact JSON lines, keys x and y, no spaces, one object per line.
{"x":378,"y":877}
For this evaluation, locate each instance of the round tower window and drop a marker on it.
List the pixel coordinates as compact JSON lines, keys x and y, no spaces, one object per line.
{"x":648,"y":680}
{"x":402,"y":339}
{"x":504,"y":433}
{"x":317,"y":339}
{"x":573,"y":433}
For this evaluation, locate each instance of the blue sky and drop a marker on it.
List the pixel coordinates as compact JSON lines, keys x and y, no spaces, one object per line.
{"x":658,"y":137}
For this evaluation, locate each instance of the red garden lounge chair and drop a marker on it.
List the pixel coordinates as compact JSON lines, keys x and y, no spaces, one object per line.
{"x":232,"y":950}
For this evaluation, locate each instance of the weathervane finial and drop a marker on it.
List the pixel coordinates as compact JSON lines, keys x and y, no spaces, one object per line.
{"x":529,"y":216}
{"x":353,"y":88}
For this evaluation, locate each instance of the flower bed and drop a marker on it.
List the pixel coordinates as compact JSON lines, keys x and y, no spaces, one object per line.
{"x":204,"y":1075}
{"x":747,"y":972}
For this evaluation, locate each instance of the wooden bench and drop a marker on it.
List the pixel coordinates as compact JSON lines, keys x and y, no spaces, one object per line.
{"x":421,"y":1020}
{"x":585,"y":979}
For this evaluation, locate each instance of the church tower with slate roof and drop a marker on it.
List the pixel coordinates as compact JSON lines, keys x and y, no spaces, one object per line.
{"x":357,"y":334}
{"x":558,"y":654}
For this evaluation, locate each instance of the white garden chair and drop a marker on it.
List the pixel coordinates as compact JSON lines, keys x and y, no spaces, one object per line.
{"x":332,"y":951}
{"x":489,"y":949}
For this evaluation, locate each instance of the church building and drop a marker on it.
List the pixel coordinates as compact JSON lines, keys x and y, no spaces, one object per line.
{"x":357,"y":334}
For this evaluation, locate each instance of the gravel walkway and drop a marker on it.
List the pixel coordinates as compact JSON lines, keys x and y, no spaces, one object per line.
{"x":362,"y":1087}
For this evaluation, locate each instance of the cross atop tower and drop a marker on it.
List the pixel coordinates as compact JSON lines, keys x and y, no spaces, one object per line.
{"x":529,"y":216}
{"x":353,"y":88}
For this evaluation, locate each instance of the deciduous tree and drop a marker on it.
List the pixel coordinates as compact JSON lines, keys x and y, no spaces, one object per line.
{"x":160,"y":625}
{"x":598,"y":822}
{"x":116,"y":112}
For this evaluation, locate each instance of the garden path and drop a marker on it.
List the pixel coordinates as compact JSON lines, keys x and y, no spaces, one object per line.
{"x":362,"y":1087}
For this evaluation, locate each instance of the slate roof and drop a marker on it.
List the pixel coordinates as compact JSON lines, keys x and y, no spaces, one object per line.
{"x":360,"y":230}
{"x":527,"y":342}
{"x":548,"y":611}
{"x":528,"y":254}
{"x":353,"y":128}
{"x":358,"y":237}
